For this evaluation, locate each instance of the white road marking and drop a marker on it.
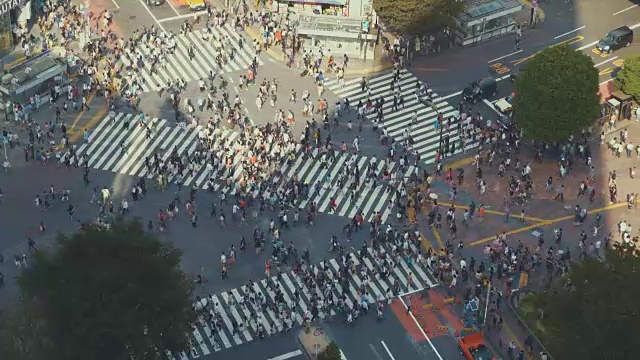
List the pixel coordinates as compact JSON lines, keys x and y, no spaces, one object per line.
{"x":288,"y":355}
{"x":490,"y":105}
{"x":606,"y":61}
{"x":173,"y":7}
{"x":569,"y":32}
{"x":178,"y":17}
{"x":421,"y":330}
{"x":116,"y":4}
{"x":153,"y":16}
{"x":504,"y":56}
{"x":627,"y":9}
{"x":388,"y":351}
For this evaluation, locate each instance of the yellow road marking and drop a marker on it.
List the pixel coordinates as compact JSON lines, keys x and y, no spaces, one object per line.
{"x":79,"y":116}
{"x":423,"y":239}
{"x":494,"y":212}
{"x":90,"y":124}
{"x":569,"y":41}
{"x":548,"y":222}
{"x":438,"y":238}
{"x":426,"y":244}
{"x":459,"y":163}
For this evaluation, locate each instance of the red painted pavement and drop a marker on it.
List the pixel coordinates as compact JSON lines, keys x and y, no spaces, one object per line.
{"x":427,"y":319}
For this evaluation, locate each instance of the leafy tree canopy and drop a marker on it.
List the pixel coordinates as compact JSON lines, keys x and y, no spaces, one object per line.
{"x":595,"y":316}
{"x":556,"y":94}
{"x":628,"y":78}
{"x":332,"y":352}
{"x":418,"y":17}
{"x":116,"y":294}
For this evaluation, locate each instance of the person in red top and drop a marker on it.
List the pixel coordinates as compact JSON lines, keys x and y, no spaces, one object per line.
{"x":332,"y":205}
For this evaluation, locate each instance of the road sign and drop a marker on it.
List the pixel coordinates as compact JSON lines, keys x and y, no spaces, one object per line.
{"x":534,"y":4}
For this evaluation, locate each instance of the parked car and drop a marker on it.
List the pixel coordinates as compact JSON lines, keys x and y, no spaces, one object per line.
{"x":480,"y":89}
{"x":504,"y":105}
{"x":616,"y":39}
{"x":155,"y":2}
{"x":472,"y":347}
{"x":196,"y":5}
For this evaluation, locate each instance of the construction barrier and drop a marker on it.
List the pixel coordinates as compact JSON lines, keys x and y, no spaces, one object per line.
{"x":451,"y":300}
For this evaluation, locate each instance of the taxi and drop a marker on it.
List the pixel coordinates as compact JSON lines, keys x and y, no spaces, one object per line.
{"x":195,"y":5}
{"x":472,"y":347}
{"x":505,"y":104}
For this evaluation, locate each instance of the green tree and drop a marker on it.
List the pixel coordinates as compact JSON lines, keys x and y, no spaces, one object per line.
{"x":108,"y":294}
{"x":556,"y":94}
{"x":418,"y":17}
{"x":628,"y":78}
{"x":332,"y":352}
{"x":594,"y":316}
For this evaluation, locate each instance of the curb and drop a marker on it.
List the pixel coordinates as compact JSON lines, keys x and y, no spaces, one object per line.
{"x":359,"y":71}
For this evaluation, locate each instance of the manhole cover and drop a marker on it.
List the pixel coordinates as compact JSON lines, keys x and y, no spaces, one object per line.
{"x":132,"y":17}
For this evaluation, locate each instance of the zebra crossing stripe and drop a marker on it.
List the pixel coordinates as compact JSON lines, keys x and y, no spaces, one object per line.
{"x":104,"y":151}
{"x":179,"y":66}
{"x":425,"y":136}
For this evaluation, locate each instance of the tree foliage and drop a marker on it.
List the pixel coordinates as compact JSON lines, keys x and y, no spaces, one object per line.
{"x":556,"y":94}
{"x":108,"y":294}
{"x":418,"y":17}
{"x":628,"y":78}
{"x":332,"y":352}
{"x":594,"y":316}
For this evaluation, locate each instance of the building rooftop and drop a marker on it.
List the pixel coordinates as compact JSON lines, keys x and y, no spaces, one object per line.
{"x":479,"y":9}
{"x":30,"y":70}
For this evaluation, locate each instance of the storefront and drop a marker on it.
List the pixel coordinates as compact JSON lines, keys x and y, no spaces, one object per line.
{"x":312,"y":7}
{"x":486,"y":19}
{"x":12,"y":12}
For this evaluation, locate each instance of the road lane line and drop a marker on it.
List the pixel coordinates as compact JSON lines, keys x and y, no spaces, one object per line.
{"x":288,"y":355}
{"x":184,"y":16}
{"x":627,"y":9}
{"x":153,"y":16}
{"x":549,"y":222}
{"x":606,"y":61}
{"x":116,"y":4}
{"x":388,"y":351}
{"x":491,"y":106}
{"x":606,"y":81}
{"x":421,"y":329}
{"x":505,"y":56}
{"x":173,"y":7}
{"x":570,"y":32}
{"x":375,"y":352}
{"x":588,"y":45}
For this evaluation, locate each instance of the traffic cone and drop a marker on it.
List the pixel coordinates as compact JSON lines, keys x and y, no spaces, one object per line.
{"x":456,"y":334}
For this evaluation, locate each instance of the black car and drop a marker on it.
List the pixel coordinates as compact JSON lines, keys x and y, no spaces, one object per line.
{"x":155,"y":2}
{"x":480,"y":89}
{"x":616,"y":39}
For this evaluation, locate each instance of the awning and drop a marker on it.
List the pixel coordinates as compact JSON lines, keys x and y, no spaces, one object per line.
{"x":318,"y":2}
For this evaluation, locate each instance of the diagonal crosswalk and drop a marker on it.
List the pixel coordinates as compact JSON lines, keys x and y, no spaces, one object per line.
{"x":426,"y":137}
{"x":323,"y":175}
{"x":289,"y":298}
{"x":222,"y":40}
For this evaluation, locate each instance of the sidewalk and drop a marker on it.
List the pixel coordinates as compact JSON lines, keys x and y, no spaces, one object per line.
{"x":356,"y":67}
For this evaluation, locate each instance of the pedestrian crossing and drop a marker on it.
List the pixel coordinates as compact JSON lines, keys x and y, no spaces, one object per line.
{"x":104,"y":151}
{"x":179,"y":65}
{"x":233,"y":306}
{"x":425,"y":135}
